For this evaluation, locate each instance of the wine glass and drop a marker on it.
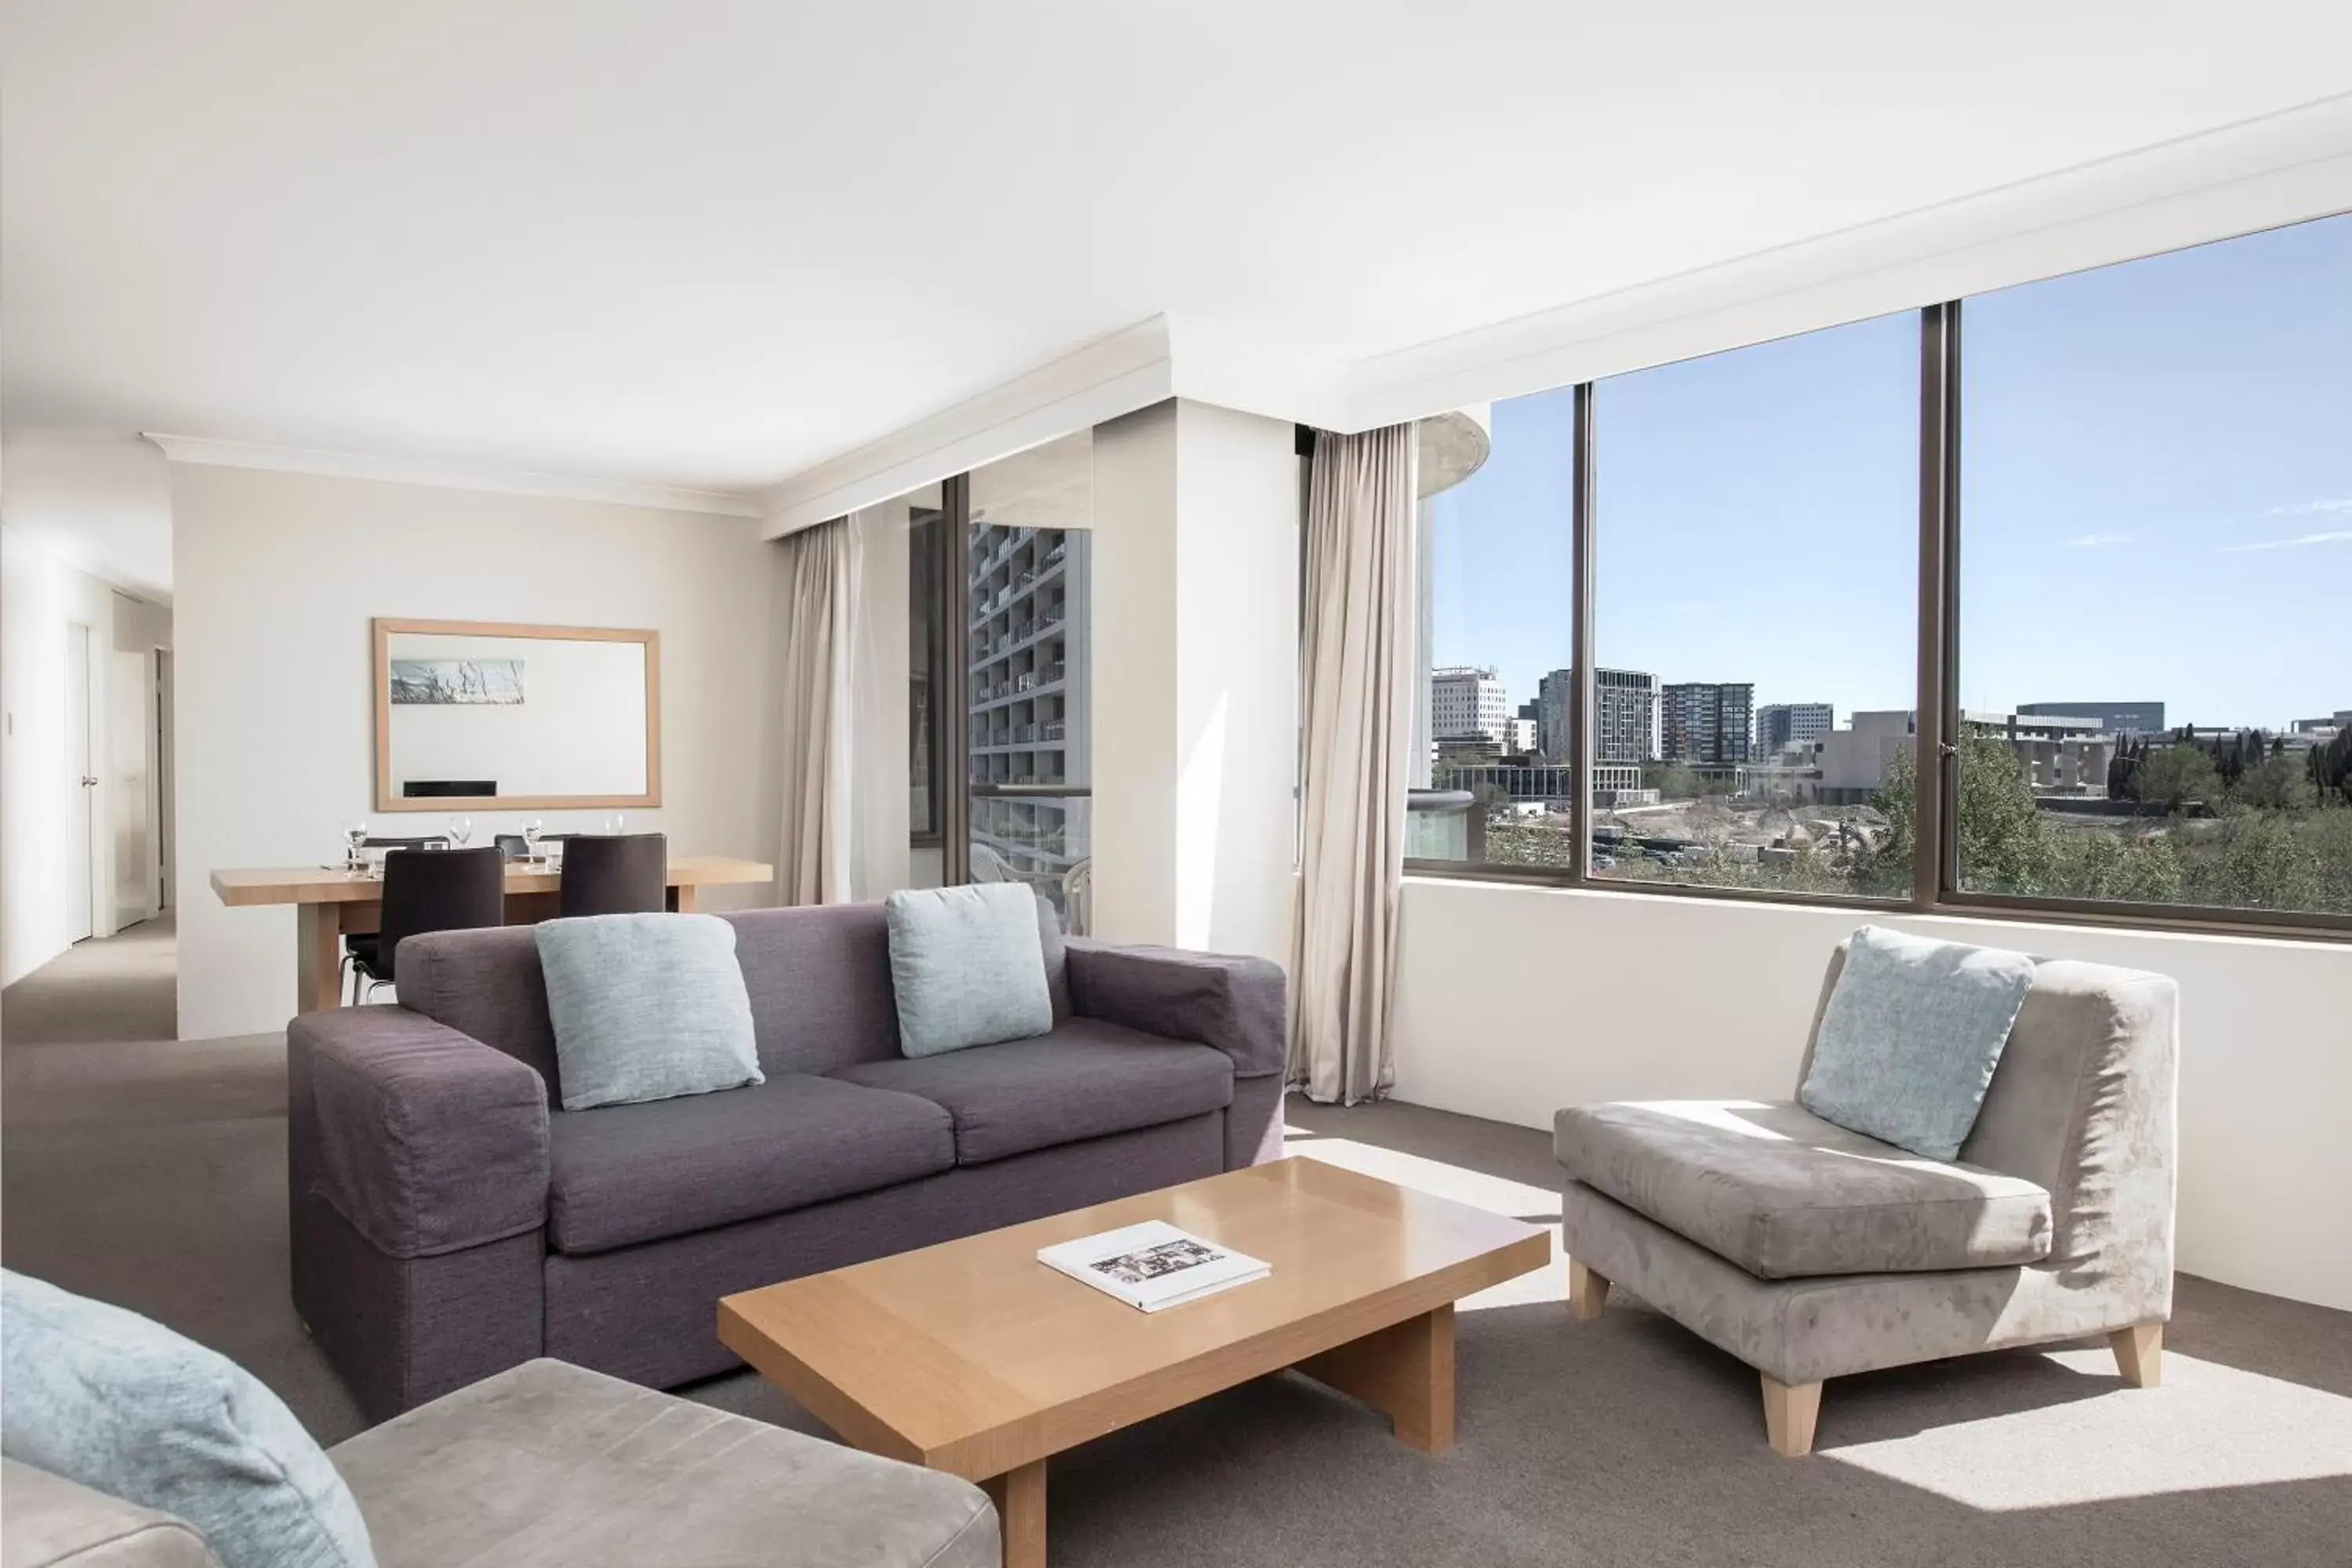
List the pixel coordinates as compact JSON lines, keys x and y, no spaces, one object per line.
{"x":355,"y":839}
{"x":461,"y":828}
{"x":531,"y":832}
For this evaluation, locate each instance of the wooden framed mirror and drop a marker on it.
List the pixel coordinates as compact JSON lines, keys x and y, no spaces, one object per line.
{"x":491,"y":716}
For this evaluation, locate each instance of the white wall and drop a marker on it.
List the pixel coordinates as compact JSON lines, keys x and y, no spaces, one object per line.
{"x":1512,"y":1001}
{"x":1195,"y":719}
{"x":40,"y":594}
{"x":99,"y":502}
{"x":279,"y":575}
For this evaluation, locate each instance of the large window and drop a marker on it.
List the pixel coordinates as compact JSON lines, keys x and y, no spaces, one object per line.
{"x":2112,"y":512}
{"x":1492,"y":766}
{"x":2156,"y":579}
{"x":1755,"y":527}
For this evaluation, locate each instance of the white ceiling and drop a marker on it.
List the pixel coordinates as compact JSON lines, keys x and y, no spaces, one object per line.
{"x":710,"y":245}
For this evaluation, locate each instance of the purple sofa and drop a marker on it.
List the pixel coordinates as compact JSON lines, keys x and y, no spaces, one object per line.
{"x":449,"y":1220}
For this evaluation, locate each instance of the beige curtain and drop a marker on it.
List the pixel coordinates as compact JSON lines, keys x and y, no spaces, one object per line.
{"x":1363,"y":613}
{"x":819,"y":595}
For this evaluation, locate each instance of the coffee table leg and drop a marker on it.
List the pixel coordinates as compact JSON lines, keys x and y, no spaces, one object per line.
{"x":1405,"y":1372}
{"x":1020,"y":1499}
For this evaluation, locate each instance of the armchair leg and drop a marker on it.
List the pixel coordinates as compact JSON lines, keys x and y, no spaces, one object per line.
{"x":1587,"y":1291}
{"x":1789,"y":1411}
{"x":2139,"y":1353}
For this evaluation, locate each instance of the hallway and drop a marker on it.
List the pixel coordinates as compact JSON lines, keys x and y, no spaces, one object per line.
{"x":149,"y":1172}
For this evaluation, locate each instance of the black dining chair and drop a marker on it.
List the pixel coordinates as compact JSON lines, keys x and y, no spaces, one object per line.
{"x":513,"y":846}
{"x":428,"y":890}
{"x":614,"y":874}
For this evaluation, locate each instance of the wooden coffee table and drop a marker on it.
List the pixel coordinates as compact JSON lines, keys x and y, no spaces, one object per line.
{"x":974,"y":1358}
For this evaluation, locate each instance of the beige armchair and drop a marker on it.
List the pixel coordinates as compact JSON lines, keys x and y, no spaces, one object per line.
{"x":1810,"y":1252}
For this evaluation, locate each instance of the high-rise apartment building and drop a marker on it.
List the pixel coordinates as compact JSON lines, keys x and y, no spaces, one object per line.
{"x":1705,"y":721}
{"x":1029,"y":654}
{"x":1626,"y":714}
{"x":1465,"y":701}
{"x":1779,"y":725}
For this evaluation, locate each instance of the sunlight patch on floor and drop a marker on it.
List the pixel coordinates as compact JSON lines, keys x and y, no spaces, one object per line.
{"x":2208,"y":1425}
{"x":1477,"y":1190}
{"x":1433,"y":1176}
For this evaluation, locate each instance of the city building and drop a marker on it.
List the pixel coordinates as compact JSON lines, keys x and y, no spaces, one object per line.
{"x":1552,"y":784}
{"x":2114,"y":718}
{"x":1779,"y":725}
{"x":1850,"y":765}
{"x":1525,"y":728}
{"x":1626,"y":714}
{"x":1466,"y":699}
{"x":2062,"y":755}
{"x":1704,"y":721}
{"x":1030,"y":641}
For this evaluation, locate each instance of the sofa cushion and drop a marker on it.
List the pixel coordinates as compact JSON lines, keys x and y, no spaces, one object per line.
{"x":550,"y":1465}
{"x":966,"y":966}
{"x":625,"y":1173}
{"x":125,"y":1406}
{"x":646,"y":1006}
{"x":1785,"y":1194}
{"x":1910,"y":1037}
{"x":1083,"y":1081}
{"x":819,"y":977}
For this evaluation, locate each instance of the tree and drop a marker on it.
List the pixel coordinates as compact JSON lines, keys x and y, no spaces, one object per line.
{"x":2005,"y":845}
{"x":2330,"y":767}
{"x":2172,"y":776}
{"x":2259,"y":863}
{"x":2273,"y":783}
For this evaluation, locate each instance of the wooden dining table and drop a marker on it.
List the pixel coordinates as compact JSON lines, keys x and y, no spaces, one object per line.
{"x":331,"y":903}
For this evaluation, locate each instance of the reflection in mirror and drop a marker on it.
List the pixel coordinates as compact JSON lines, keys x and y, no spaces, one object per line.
{"x":508,"y":715}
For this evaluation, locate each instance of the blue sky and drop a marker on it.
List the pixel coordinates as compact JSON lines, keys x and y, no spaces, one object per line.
{"x":2156,"y":501}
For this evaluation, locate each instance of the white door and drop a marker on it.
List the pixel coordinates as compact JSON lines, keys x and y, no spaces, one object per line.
{"x":81,"y":783}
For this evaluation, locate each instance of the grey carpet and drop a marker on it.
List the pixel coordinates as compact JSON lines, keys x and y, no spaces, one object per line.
{"x":152,"y":1172}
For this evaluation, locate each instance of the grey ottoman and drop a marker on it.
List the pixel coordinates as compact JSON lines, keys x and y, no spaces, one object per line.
{"x":550,"y":1465}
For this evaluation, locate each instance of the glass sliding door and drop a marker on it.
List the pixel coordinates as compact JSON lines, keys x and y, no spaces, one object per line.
{"x":1027,"y":626}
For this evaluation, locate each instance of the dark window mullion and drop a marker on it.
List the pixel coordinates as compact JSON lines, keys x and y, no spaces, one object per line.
{"x":1581,"y":637}
{"x":954,"y":699}
{"x":1936,"y":758}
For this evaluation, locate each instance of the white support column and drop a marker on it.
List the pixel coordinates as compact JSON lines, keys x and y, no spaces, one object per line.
{"x":1195,"y":693}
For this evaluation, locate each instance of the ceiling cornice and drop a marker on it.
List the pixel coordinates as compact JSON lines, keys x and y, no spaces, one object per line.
{"x":2259,"y":174}
{"x":2277,"y":169}
{"x":1119,"y":373}
{"x":212,"y":453}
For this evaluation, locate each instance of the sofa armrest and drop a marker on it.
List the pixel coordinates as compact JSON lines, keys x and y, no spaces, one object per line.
{"x":425,"y":1139}
{"x":52,"y":1522}
{"x":1236,"y":1004}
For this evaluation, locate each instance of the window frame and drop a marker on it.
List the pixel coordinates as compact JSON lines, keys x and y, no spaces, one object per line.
{"x":1936,"y":885}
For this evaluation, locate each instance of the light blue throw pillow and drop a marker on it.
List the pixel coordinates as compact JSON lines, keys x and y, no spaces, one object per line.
{"x":647,"y":1007}
{"x":1909,"y":1040}
{"x":967,"y":966}
{"x":125,"y":1406}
